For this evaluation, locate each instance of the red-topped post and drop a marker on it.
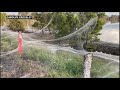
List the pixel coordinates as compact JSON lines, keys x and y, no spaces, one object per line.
{"x":20,"y":42}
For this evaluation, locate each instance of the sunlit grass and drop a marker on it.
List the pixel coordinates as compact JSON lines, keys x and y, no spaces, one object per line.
{"x":63,"y":64}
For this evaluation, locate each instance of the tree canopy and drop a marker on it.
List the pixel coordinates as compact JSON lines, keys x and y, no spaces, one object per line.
{"x":2,"y":18}
{"x":16,"y":24}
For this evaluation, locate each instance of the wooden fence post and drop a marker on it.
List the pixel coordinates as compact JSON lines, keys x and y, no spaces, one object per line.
{"x":87,"y":65}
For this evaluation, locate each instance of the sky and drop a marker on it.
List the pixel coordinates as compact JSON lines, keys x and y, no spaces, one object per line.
{"x":111,"y":13}
{"x":11,"y":13}
{"x":107,"y":13}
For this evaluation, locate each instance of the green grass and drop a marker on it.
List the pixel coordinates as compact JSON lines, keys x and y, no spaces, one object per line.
{"x":61,"y":64}
{"x":68,"y":64}
{"x":100,"y":68}
{"x":116,"y":75}
{"x":64,"y":64}
{"x":36,"y":54}
{"x":8,"y":43}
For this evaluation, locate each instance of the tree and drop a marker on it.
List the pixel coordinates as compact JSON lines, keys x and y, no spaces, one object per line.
{"x":26,"y":22}
{"x":2,"y":18}
{"x":65,"y":23}
{"x":98,"y":27}
{"x":96,"y":32}
{"x":15,"y":24}
{"x":84,"y":17}
{"x":42,"y":19}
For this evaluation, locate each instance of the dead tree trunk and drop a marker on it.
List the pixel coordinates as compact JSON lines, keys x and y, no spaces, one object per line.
{"x":87,"y":65}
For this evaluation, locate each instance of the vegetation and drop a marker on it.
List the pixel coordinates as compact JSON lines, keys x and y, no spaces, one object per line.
{"x":102,"y":68}
{"x":65,"y":64}
{"x":98,"y":27}
{"x":65,"y":23}
{"x":61,"y":64}
{"x":26,"y":22}
{"x":42,"y":19}
{"x":104,"y":47}
{"x":94,"y":35}
{"x":16,"y":24}
{"x":8,"y":43}
{"x":2,"y":18}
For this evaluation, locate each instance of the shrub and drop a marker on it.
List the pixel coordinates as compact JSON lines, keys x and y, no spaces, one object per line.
{"x":15,"y":24}
{"x":90,"y":47}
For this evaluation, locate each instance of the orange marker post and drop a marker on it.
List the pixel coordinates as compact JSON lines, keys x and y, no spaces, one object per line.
{"x":20,"y":42}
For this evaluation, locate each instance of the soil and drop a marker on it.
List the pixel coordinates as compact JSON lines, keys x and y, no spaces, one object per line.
{"x":15,"y":68}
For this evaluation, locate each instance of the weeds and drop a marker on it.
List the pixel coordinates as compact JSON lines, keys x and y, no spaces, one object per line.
{"x":65,"y":64}
{"x":8,"y":43}
{"x":61,"y":64}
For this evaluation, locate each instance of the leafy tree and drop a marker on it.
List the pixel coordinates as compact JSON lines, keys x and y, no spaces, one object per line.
{"x":26,"y":22}
{"x":2,"y":18}
{"x":42,"y":19}
{"x":98,"y":27}
{"x":15,"y":24}
{"x":65,"y":23}
{"x":94,"y":35}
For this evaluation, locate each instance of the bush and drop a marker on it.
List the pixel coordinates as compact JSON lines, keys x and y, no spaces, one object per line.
{"x":90,"y":47}
{"x":15,"y":25}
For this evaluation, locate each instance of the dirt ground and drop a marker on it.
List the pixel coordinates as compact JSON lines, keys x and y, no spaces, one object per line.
{"x":11,"y":68}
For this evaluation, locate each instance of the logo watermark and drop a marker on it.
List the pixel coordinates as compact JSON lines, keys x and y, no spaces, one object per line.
{"x":18,"y":17}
